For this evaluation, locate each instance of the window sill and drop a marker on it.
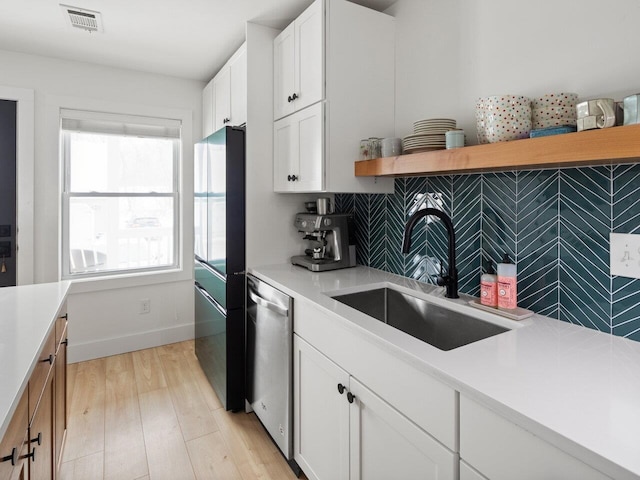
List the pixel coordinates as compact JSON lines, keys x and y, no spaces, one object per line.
{"x":112,"y":282}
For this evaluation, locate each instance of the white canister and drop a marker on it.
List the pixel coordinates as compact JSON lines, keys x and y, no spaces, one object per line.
{"x":391,"y":147}
{"x":454,"y":138}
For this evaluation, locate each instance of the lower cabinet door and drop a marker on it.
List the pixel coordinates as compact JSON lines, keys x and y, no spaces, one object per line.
{"x":41,"y":436}
{"x":502,"y":450}
{"x":60,"y":401}
{"x":385,"y":444}
{"x":321,"y":414}
{"x":468,"y":473}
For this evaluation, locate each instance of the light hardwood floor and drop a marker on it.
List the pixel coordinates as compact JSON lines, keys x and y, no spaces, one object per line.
{"x":152,"y":415}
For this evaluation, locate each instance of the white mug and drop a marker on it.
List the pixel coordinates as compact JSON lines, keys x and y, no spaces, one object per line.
{"x":602,"y":109}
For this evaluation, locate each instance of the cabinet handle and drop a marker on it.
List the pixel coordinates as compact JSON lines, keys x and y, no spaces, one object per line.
{"x":37,"y":439}
{"x":226,"y":120}
{"x":289,"y":99}
{"x":49,"y":359}
{"x":294,"y":96}
{"x":13,"y":457}
{"x":293,"y":178}
{"x":65,"y":342}
{"x":31,"y":455}
{"x":350,"y":397}
{"x":65,"y":316}
{"x":341,"y":388}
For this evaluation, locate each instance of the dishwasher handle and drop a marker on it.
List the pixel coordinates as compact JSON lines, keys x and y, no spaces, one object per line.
{"x":274,"y":307}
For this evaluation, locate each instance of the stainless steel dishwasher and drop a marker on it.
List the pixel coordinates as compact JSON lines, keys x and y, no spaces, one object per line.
{"x":270,"y":362}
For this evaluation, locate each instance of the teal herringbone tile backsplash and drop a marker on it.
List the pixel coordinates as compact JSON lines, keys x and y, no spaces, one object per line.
{"x":554,"y":223}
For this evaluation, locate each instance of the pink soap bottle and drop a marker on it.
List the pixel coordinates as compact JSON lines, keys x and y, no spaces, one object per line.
{"x":507,"y":284}
{"x":489,"y":287}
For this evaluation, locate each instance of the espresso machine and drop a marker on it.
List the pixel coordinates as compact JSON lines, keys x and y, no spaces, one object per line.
{"x":331,"y":243}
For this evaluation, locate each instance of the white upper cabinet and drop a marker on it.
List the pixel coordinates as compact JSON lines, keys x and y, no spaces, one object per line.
{"x":224,"y":99}
{"x":238,"y":70}
{"x":341,"y":55}
{"x":298,"y":143}
{"x":207,"y":110}
{"x":299,"y":63}
{"x":222,"y":94}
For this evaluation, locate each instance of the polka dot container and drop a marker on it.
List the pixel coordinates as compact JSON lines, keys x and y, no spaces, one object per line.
{"x":501,"y":118}
{"x":554,"y":109}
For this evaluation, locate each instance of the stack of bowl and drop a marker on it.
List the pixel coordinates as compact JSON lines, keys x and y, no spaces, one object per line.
{"x":554,"y":110}
{"x":501,"y":118}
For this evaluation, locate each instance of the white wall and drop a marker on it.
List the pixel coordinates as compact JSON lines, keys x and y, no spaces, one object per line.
{"x":103,"y":314}
{"x":451,"y":52}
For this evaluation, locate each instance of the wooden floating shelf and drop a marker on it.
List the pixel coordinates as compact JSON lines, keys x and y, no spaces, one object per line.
{"x":591,"y":147}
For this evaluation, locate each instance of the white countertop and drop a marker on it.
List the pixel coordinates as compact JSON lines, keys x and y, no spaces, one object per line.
{"x":577,"y":388}
{"x":27,"y":316}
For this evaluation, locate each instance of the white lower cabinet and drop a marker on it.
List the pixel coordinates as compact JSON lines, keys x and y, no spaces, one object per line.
{"x":501,"y":450}
{"x":469,"y":473}
{"x":386,"y":445}
{"x":343,"y":430}
{"x":321,"y":414}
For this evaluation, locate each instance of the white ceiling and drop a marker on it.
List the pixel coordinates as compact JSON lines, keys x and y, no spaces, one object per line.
{"x":188,"y":38}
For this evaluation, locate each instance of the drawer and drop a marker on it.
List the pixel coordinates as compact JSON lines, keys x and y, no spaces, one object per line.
{"x":423,"y":399}
{"x":41,"y":372}
{"x":14,"y":438}
{"x":502,"y":450}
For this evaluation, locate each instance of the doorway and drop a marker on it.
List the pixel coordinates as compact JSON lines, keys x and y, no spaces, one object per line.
{"x":8,"y":164}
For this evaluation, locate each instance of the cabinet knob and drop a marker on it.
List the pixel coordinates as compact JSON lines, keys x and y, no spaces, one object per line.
{"x":289,"y":99}
{"x":49,"y":359}
{"x":13,"y":457}
{"x":37,"y":439}
{"x":341,"y":388}
{"x":226,"y":120}
{"x":294,"y":178}
{"x":350,"y":397}
{"x":294,"y":96}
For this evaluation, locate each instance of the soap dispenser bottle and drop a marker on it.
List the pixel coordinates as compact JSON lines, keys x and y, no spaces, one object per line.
{"x":489,"y":286}
{"x":507,"y":284}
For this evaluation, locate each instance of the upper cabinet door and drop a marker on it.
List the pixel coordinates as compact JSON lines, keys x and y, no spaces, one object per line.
{"x":222,"y":94}
{"x":208,"y":122}
{"x":238,"y":69}
{"x":299,"y":151}
{"x":284,"y":72}
{"x":309,"y":56}
{"x":298,"y":58}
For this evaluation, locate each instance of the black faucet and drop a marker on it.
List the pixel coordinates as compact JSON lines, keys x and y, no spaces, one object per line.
{"x":451,"y":279}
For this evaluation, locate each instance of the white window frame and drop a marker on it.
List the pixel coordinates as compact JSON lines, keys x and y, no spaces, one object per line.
{"x":67,"y":195}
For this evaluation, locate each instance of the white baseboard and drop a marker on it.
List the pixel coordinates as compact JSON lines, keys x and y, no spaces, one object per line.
{"x":130,"y":343}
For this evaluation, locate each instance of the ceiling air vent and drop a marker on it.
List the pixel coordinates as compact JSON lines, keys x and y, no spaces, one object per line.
{"x":82,"y":18}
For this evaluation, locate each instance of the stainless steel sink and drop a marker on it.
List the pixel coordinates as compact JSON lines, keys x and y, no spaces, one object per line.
{"x":443,"y":328}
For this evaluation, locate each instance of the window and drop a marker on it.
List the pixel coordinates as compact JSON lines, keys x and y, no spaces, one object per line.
{"x":120,"y":196}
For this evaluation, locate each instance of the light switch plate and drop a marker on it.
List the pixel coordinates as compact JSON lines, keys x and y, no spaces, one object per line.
{"x":625,"y":254}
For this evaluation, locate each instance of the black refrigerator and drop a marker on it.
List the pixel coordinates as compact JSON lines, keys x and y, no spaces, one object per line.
{"x":219,"y":234}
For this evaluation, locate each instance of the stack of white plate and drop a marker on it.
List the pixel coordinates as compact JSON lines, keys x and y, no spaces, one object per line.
{"x":428,"y":135}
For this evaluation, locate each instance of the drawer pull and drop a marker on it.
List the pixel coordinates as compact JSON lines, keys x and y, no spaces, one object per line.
{"x":37,"y":439}
{"x":31,"y":455}
{"x":49,"y":359}
{"x":350,"y":397}
{"x":13,"y":457}
{"x":341,"y":388}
